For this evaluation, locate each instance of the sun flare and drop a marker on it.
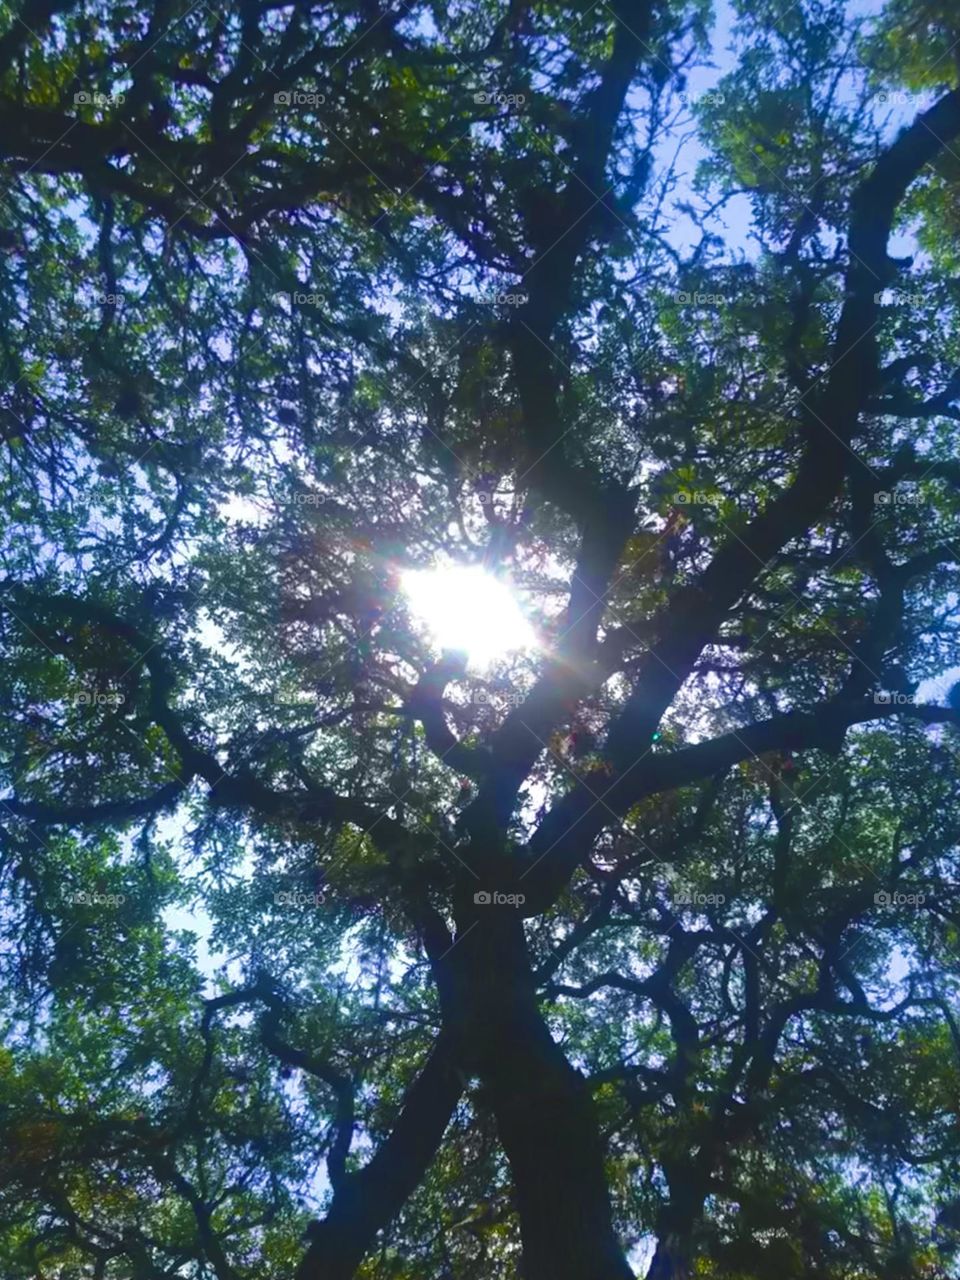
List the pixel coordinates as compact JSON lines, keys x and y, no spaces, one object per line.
{"x":469,"y":609}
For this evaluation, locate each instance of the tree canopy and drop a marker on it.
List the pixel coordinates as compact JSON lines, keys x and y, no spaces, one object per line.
{"x":330,"y":951}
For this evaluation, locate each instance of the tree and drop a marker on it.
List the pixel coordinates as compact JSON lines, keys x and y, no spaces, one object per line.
{"x":636,"y":945}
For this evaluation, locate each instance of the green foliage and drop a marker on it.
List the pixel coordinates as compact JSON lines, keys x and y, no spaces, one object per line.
{"x":295,"y":300}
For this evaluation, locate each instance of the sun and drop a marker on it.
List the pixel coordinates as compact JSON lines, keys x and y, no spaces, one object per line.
{"x":469,"y":609}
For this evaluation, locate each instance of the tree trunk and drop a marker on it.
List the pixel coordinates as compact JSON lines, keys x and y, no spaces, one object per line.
{"x":677,"y":1223}
{"x":672,"y":1260}
{"x":543,"y":1109}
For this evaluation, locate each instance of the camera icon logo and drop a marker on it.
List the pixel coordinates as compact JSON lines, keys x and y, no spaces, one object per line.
{"x":283,"y":97}
{"x":83,"y":98}
{"x":882,"y":898}
{"x":482,"y":898}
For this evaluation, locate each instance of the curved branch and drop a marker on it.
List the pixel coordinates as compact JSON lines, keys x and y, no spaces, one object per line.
{"x":241,"y":791}
{"x":367,"y":1201}
{"x":566,"y":833}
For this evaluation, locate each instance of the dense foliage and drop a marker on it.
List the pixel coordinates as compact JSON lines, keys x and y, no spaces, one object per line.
{"x":654,"y":317}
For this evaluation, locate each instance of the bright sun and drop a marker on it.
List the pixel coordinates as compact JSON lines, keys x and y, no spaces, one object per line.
{"x":469,"y":609}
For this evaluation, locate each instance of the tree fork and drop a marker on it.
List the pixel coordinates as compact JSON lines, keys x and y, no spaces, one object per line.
{"x":543,"y":1109}
{"x":367,"y":1201}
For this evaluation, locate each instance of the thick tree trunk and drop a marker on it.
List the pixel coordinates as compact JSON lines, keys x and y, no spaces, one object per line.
{"x":672,"y":1260}
{"x":543,"y":1110}
{"x":549,"y":1133}
{"x":677,"y":1224}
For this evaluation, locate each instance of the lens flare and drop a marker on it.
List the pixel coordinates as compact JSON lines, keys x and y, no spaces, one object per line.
{"x":469,"y":609}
